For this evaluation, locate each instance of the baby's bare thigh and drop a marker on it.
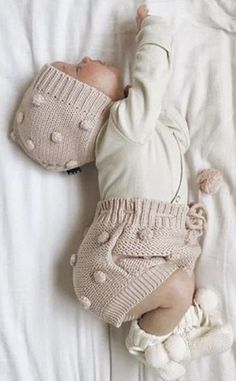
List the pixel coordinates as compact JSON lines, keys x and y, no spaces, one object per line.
{"x":178,"y":285}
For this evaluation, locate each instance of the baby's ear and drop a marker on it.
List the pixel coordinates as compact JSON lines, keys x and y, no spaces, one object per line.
{"x":126,"y":90}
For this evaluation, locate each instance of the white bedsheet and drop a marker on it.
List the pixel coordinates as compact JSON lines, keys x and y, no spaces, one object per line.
{"x":44,"y":334}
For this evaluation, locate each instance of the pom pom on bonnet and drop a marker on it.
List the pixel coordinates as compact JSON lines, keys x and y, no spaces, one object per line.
{"x":58,"y":120}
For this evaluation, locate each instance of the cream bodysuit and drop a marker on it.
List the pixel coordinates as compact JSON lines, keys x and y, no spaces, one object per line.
{"x":140,"y":150}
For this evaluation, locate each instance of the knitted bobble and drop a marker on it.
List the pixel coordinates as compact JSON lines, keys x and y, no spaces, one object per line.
{"x":73,"y":260}
{"x":85,"y":125}
{"x":20,"y":117}
{"x":99,"y":276}
{"x":85,"y":302}
{"x":103,"y":237}
{"x":38,"y":100}
{"x":156,"y":356}
{"x":175,"y":347}
{"x":207,"y":299}
{"x":209,"y":180}
{"x":56,"y":137}
{"x":145,"y":234}
{"x":29,"y":144}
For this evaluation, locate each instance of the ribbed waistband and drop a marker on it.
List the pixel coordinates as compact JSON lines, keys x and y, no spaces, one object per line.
{"x":141,"y":212}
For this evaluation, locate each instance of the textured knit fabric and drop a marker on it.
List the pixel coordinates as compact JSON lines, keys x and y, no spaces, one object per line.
{"x":58,"y":120}
{"x":131,"y":248}
{"x":139,"y":152}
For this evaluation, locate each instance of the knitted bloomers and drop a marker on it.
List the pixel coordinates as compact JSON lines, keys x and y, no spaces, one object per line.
{"x":131,"y":248}
{"x":58,"y":120}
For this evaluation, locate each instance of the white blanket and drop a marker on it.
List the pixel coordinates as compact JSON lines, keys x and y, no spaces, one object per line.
{"x":44,"y":334}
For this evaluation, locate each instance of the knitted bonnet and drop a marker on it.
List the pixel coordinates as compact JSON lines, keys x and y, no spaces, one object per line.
{"x":58,"y":120}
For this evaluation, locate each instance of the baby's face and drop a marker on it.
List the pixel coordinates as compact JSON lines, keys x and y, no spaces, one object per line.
{"x":104,"y":77}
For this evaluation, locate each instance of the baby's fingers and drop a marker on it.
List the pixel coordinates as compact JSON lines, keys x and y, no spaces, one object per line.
{"x":142,"y":12}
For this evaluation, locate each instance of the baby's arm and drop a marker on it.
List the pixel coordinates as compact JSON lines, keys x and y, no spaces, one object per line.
{"x":136,"y":115}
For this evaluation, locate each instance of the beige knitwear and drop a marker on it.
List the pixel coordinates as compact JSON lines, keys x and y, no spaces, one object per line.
{"x":58,"y":120}
{"x":131,"y":248}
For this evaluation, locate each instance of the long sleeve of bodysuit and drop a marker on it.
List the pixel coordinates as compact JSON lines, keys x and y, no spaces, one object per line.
{"x":135,"y":116}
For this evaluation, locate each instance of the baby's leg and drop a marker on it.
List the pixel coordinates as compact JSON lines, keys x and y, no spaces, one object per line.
{"x":161,"y":311}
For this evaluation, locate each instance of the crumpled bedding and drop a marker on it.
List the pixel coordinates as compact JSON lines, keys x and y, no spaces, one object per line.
{"x":44,"y":333}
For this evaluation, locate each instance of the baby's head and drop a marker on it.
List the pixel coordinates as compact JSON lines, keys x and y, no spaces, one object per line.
{"x":103,"y":76}
{"x":63,"y":110}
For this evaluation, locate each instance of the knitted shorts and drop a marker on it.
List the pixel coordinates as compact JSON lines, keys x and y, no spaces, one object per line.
{"x":131,"y":248}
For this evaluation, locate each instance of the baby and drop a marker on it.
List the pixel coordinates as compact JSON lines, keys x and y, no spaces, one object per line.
{"x":137,"y":258}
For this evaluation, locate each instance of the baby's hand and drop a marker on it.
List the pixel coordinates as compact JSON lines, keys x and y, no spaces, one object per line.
{"x":142,"y":13}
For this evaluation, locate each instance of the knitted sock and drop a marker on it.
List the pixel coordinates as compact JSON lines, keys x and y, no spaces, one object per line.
{"x":194,"y":317}
{"x":138,"y":340}
{"x":150,"y":350}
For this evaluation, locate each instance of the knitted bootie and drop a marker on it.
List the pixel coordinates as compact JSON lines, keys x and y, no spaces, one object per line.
{"x":150,"y":350}
{"x":213,"y":335}
{"x":174,"y":345}
{"x":202,"y":328}
{"x":200,"y":332}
